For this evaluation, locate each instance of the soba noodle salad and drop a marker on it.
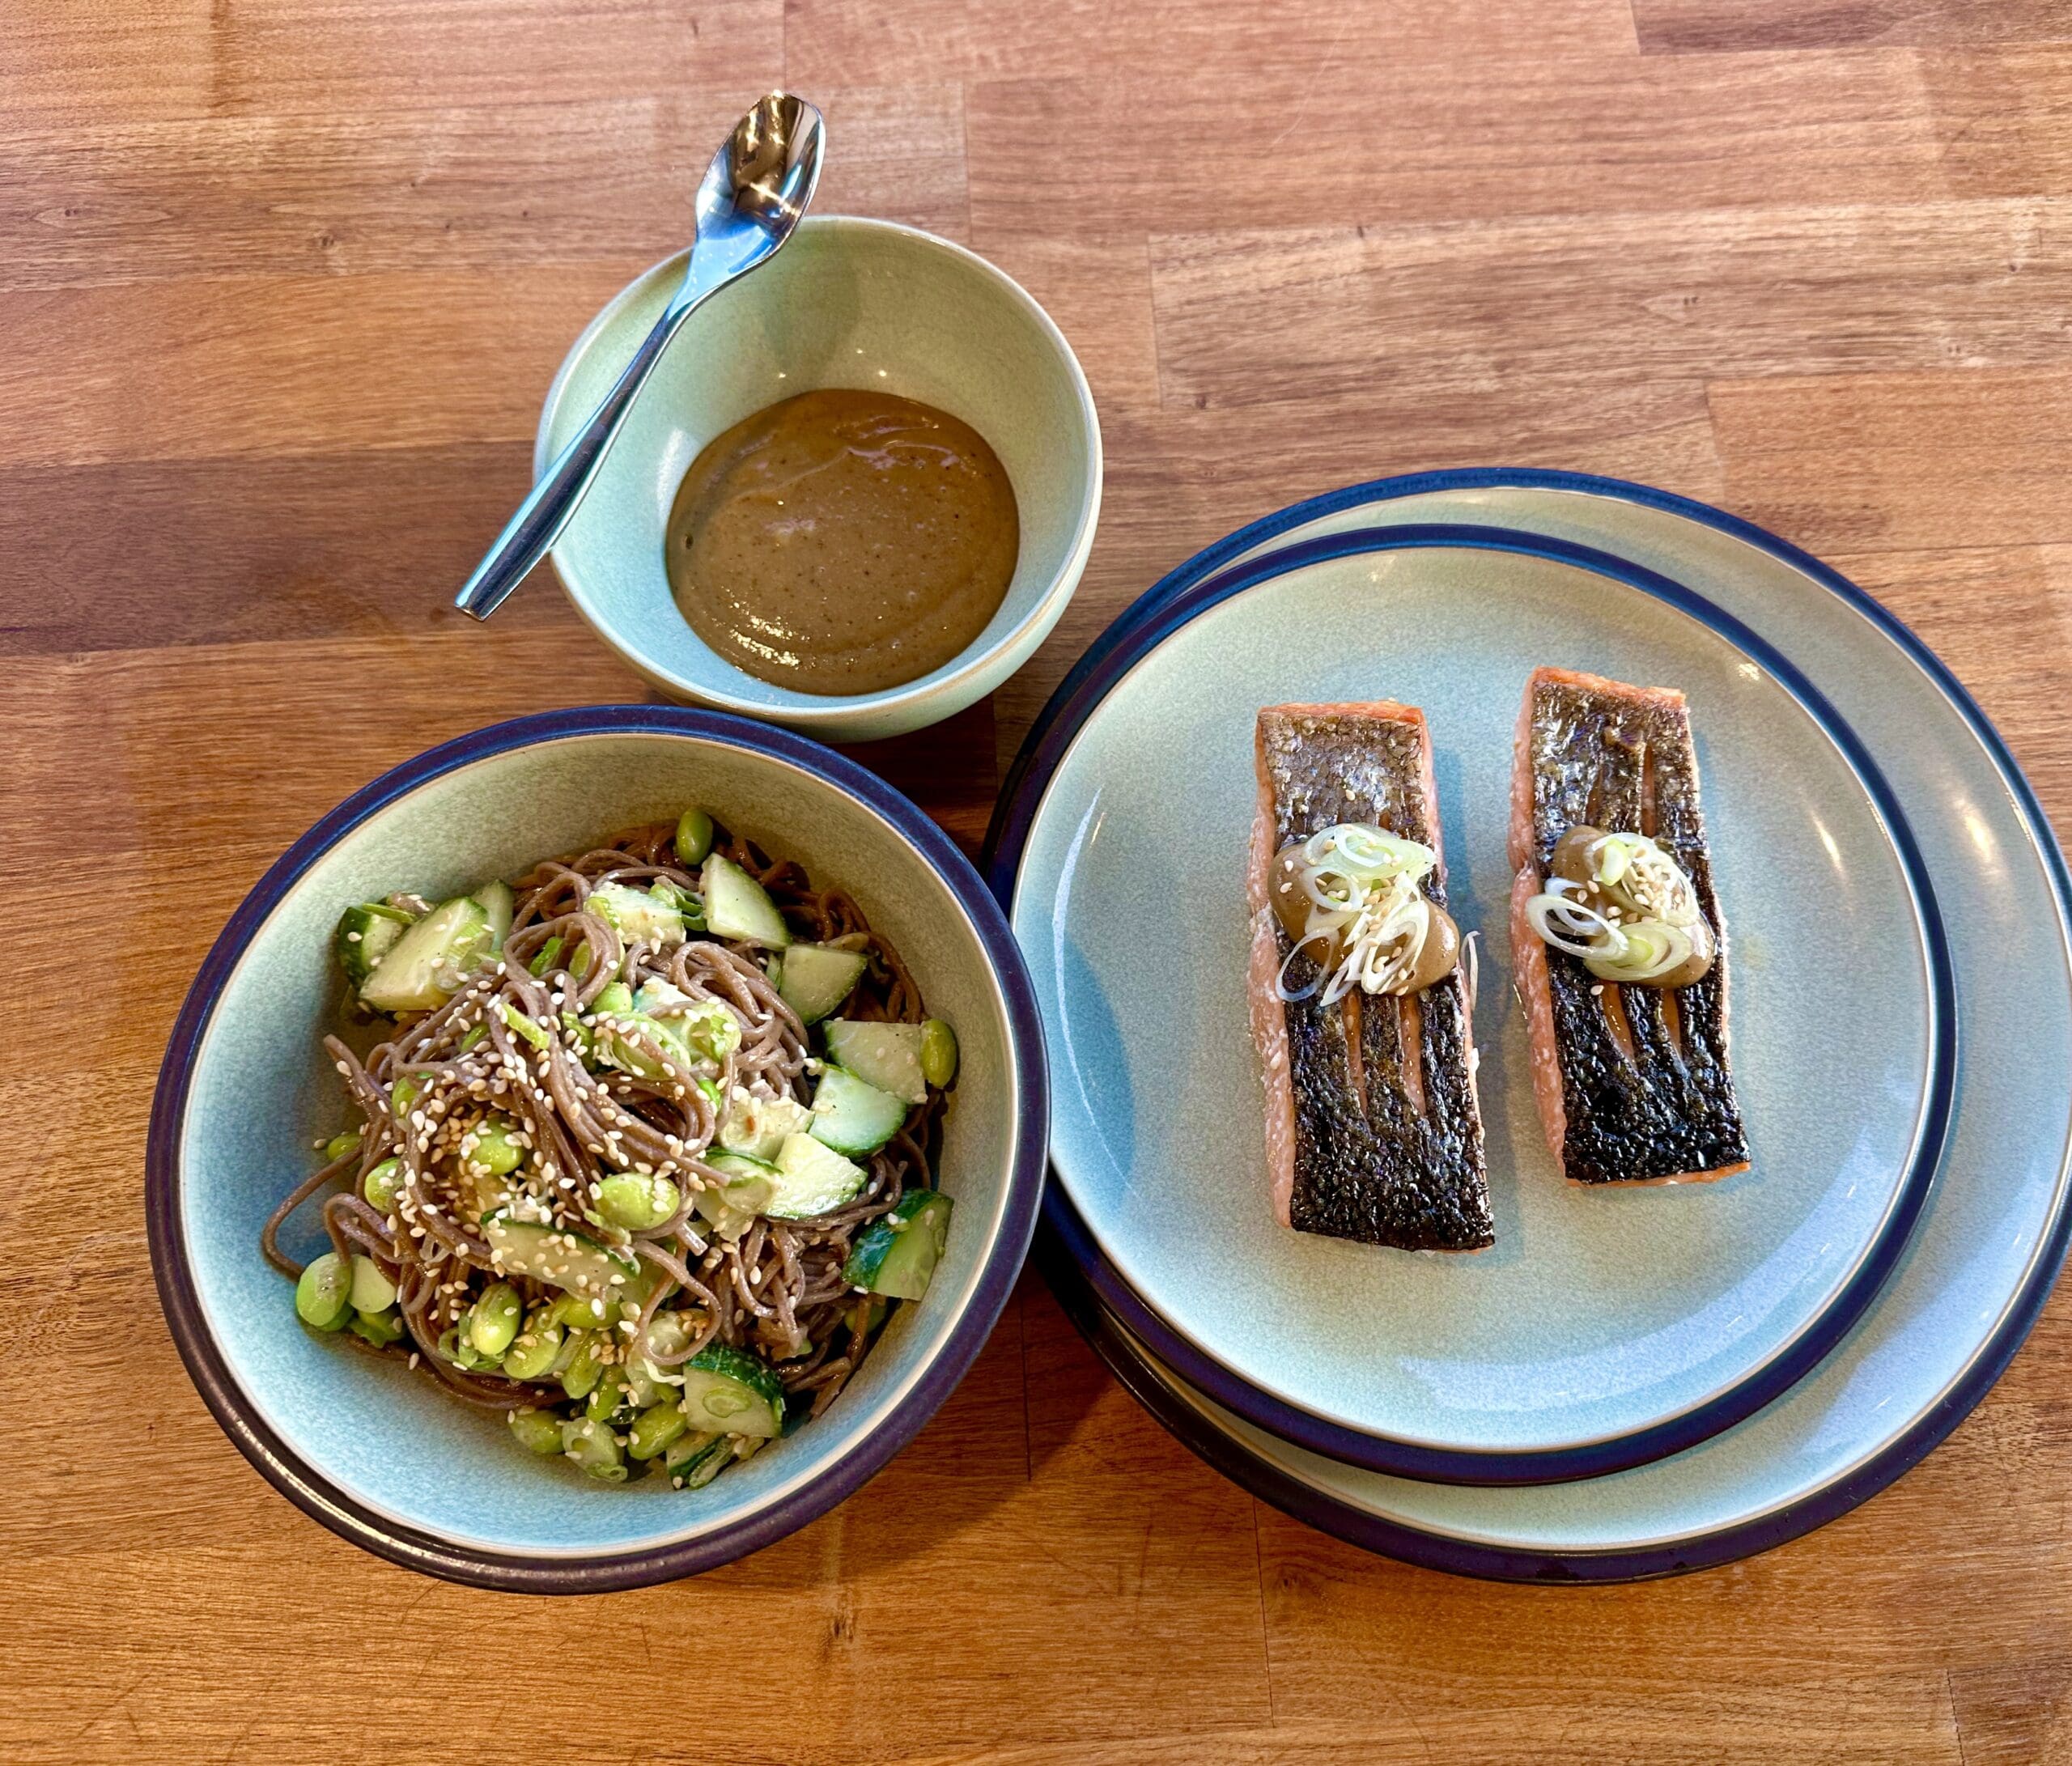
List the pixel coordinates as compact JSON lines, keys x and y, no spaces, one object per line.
{"x":645,"y":1149}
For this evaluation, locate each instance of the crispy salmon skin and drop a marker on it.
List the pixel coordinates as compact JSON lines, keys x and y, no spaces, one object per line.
{"x":1632,"y":1082}
{"x":1372,"y":1130}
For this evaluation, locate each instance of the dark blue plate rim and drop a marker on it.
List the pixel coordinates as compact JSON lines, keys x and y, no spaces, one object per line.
{"x":1374,"y":1452}
{"x":413,"y":1548}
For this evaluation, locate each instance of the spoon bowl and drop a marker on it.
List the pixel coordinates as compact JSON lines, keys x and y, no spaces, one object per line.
{"x":758,"y":185}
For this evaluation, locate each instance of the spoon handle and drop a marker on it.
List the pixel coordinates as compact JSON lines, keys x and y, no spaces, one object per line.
{"x":530,"y":533}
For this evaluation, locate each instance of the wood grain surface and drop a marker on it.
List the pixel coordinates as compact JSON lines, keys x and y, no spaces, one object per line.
{"x":282,"y":283}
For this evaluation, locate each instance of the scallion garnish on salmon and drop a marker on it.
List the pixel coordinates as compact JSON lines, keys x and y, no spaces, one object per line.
{"x":1618,"y":946}
{"x":1359,"y":1009}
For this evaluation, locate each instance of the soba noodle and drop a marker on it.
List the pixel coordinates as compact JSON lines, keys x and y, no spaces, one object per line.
{"x":779,"y":1284}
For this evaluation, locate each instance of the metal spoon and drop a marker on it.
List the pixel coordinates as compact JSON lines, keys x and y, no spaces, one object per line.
{"x":753,"y":194}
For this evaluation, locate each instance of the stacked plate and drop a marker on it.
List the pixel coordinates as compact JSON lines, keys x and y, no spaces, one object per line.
{"x":1629,"y":1383}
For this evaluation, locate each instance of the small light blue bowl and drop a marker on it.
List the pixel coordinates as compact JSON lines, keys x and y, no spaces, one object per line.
{"x":376,"y":1453}
{"x":848,"y":304}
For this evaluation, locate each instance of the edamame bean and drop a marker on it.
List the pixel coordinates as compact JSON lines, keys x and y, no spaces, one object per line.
{"x":595,"y":1448}
{"x":493,"y":1320}
{"x":371,"y":1290}
{"x":339,"y":1145}
{"x":538,"y":1432}
{"x":323,"y":1295}
{"x":578,"y":1313}
{"x":610,"y":1402}
{"x":535,"y":1351}
{"x":380,"y":1184}
{"x":379,"y":1328}
{"x":616,"y":999}
{"x":654,"y":1428}
{"x":938,"y":1052}
{"x":694,"y":835}
{"x":404,"y":1094}
{"x":496,"y":1149}
{"x":635,"y":1201}
{"x":580,"y":1378}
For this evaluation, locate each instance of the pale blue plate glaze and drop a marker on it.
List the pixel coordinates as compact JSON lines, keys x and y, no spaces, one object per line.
{"x":1598,"y":1315}
{"x":378,"y":1454}
{"x":1990,"y":1241}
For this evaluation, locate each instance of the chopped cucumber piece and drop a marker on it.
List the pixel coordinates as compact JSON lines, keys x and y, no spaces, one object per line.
{"x":499,"y":904}
{"x":811,"y":1178}
{"x":694,"y":835}
{"x":366,"y":933}
{"x":852,"y":1117}
{"x":737,"y":907}
{"x":757,"y":1125}
{"x":816,"y":979}
{"x":569,"y":1260}
{"x":885,"y":1055}
{"x":898,"y":1252}
{"x":694,"y":1460}
{"x":424,"y":967}
{"x":731,"y":1392}
{"x":938,"y":1053}
{"x":750,"y":1183}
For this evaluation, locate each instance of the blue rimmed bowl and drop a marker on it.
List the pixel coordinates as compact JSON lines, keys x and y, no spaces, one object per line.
{"x":377,"y":1453}
{"x":849,"y":303}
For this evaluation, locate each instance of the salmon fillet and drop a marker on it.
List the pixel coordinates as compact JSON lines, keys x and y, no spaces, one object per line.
{"x":1632,"y":1082}
{"x":1372,"y":1128}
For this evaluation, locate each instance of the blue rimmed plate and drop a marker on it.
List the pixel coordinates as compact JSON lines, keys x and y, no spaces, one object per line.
{"x":1994,"y":1234}
{"x":1604,"y":1329}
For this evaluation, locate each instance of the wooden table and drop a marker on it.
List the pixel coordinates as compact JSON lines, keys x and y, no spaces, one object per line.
{"x":281,"y":282}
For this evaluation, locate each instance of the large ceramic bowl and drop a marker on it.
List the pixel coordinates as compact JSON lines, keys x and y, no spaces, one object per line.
{"x":848,"y":304}
{"x":376,"y":1453}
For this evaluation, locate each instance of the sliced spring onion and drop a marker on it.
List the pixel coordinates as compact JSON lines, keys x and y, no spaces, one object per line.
{"x":1366,"y":908}
{"x":1642,"y":879}
{"x":537,"y":1034}
{"x":1649,"y":949}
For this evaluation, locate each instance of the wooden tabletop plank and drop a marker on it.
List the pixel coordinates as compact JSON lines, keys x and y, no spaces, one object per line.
{"x":283,"y":284}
